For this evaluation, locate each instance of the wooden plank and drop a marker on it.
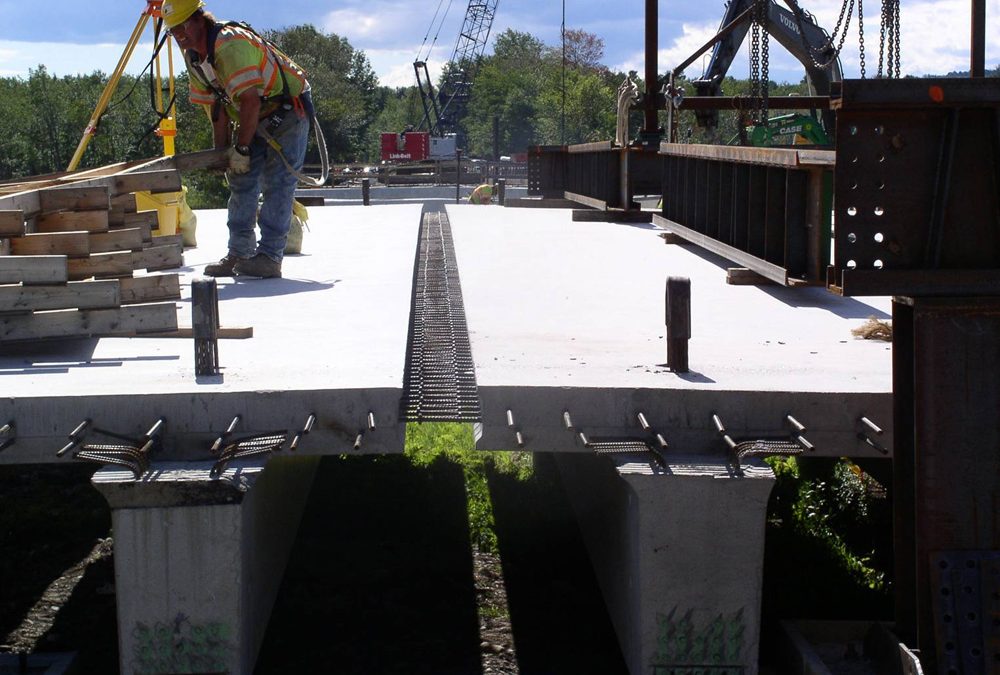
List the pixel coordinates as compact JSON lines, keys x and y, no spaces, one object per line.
{"x":150,"y":288}
{"x":150,"y":218}
{"x":159,"y":258}
{"x":101,"y":265}
{"x":72,"y":221}
{"x":116,"y":240}
{"x":742,"y":276}
{"x":203,"y":159}
{"x":76,"y":294}
{"x":11,"y":223}
{"x":135,"y":319}
{"x":168,"y":240}
{"x":72,"y":244}
{"x":144,"y":228}
{"x":36,"y":269}
{"x":162,"y":180}
{"x":224,"y":333}
{"x":74,"y":198}
{"x":124,"y":202}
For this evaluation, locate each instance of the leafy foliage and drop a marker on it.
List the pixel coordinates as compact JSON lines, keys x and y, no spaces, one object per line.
{"x":451,"y":442}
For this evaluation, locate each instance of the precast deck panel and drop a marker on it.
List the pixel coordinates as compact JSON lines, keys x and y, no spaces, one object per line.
{"x":569,"y":317}
{"x":329,"y":338}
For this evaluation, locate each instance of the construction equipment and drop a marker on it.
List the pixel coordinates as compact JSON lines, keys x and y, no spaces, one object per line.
{"x":444,"y":110}
{"x":789,"y":129}
{"x":795,"y":29}
{"x":167,"y":124}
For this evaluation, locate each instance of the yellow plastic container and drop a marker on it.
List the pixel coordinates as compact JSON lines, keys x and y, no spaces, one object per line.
{"x":166,"y":205}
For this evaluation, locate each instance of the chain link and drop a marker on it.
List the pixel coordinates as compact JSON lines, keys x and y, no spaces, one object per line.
{"x":861,"y":36}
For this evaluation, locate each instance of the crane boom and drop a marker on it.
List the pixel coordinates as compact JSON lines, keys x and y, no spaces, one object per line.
{"x":442,"y":112}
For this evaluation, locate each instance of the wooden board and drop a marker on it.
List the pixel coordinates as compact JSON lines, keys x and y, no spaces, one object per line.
{"x":144,"y":229}
{"x":224,"y":333}
{"x":169,"y":240}
{"x":116,"y":240}
{"x":37,"y":269}
{"x":150,"y":218}
{"x":159,"y":258}
{"x":117,"y":264}
{"x":73,"y":198}
{"x":76,"y":294}
{"x":72,"y":221}
{"x":150,"y":288}
{"x":90,"y":322}
{"x":72,"y":244}
{"x":163,"y":180}
{"x":124,"y":202}
{"x":11,"y":223}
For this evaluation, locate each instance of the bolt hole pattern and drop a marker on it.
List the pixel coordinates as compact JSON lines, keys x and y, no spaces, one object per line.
{"x":878,"y":264}
{"x":879,"y":130}
{"x":852,"y":210}
{"x":879,"y":211}
{"x":881,"y":158}
{"x":851,"y":264}
{"x":879,"y":237}
{"x":881,"y":185}
{"x":851,"y":237}
{"x":854,"y":130}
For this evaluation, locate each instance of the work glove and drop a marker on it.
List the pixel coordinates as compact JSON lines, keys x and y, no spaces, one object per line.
{"x":239,"y":162}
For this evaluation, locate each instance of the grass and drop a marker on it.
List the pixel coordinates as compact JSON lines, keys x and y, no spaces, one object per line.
{"x":454,"y":442}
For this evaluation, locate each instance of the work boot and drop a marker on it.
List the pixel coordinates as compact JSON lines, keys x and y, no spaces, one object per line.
{"x":223,"y":268}
{"x":258,"y":266}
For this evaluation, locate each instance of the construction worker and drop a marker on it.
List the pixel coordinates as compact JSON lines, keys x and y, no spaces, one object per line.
{"x":260,"y":105}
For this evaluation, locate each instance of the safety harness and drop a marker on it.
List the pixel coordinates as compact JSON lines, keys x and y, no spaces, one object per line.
{"x":302,"y":103}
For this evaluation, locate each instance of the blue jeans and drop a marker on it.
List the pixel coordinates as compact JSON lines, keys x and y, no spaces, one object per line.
{"x":268,"y":174}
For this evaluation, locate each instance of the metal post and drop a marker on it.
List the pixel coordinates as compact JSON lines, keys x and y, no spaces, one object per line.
{"x":650,"y":128}
{"x":205,"y":326}
{"x":501,"y":190}
{"x":366,"y":191}
{"x":458,"y":176}
{"x":978,"y":65}
{"x":678,"y":315}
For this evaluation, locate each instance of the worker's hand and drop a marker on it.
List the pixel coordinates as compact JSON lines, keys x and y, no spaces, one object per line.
{"x":238,"y":161}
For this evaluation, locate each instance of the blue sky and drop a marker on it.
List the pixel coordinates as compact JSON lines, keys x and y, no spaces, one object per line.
{"x":80,"y":37}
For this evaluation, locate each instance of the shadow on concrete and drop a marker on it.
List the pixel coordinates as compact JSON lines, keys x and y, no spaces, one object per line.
{"x":381,"y":576}
{"x":560,"y":623}
{"x":268,"y":288}
{"x":810,"y":296}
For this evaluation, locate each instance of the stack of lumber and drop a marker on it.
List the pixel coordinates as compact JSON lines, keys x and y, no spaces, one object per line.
{"x":78,"y":260}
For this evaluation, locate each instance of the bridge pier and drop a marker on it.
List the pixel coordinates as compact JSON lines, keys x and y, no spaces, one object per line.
{"x":198,"y":561}
{"x":679,"y":555}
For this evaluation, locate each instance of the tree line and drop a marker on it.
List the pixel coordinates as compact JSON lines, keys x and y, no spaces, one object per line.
{"x":530,"y":92}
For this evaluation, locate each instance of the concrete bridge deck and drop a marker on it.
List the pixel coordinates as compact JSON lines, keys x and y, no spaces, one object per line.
{"x":566,"y":324}
{"x":563,"y":316}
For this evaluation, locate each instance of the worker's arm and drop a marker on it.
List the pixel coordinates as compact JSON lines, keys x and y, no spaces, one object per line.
{"x":249,"y":102}
{"x":220,"y":128}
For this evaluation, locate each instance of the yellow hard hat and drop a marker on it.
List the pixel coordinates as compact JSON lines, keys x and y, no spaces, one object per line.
{"x":176,"y":12}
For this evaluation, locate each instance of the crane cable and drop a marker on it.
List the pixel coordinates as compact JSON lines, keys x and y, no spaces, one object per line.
{"x":431,"y":27}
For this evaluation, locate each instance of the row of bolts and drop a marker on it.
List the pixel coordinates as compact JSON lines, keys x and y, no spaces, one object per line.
{"x":869,"y":428}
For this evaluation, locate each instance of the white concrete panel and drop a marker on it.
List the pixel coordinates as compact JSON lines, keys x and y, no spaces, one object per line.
{"x":337,"y":319}
{"x":555,"y":303}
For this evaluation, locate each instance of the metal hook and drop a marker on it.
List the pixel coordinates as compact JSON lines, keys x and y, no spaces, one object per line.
{"x":8,"y":429}
{"x":224,"y":436}
{"x":306,"y":428}
{"x":567,"y":420}
{"x":75,"y":437}
{"x":371,"y":421}
{"x":796,"y":425}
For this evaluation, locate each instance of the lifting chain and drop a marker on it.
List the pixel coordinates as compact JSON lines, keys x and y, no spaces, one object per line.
{"x":861,"y":37}
{"x":759,"y":63}
{"x":889,"y":39}
{"x":828,"y":51}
